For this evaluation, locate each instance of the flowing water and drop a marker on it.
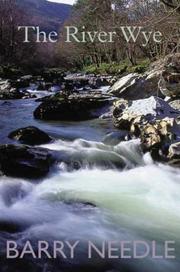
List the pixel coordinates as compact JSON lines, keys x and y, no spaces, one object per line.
{"x":116,"y":195}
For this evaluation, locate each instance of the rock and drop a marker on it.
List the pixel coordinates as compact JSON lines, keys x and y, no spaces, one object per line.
{"x":11,"y":227}
{"x":174,"y":150}
{"x":82,"y":80}
{"x":7,"y":92}
{"x":22,"y":82}
{"x":169,"y":83}
{"x":175,"y":104}
{"x":30,"y":136}
{"x":113,"y":80}
{"x":72,"y":108}
{"x":163,"y":75}
{"x":157,"y":137}
{"x":12,"y":94}
{"x":137,"y":86}
{"x":27,"y":95}
{"x":97,"y":82}
{"x":153,"y":120}
{"x":119,"y":107}
{"x":25,"y":162}
{"x":174,"y":154}
{"x":124,"y":84}
{"x":79,"y":206}
{"x":135,"y":112}
{"x":42,"y":99}
{"x":26,"y":77}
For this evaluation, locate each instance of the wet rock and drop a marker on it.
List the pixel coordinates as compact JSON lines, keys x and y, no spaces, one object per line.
{"x":9,"y":92}
{"x":23,"y":161}
{"x":72,"y":108}
{"x":42,"y":99}
{"x":119,"y":107}
{"x":27,"y":95}
{"x":10,"y":227}
{"x":30,"y":136}
{"x":79,"y":206}
{"x":174,"y":150}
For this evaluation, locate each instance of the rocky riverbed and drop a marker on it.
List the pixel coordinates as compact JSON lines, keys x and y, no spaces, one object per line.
{"x":87,"y":164}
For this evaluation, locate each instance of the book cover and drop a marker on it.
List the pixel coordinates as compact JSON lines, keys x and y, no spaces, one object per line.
{"x":89,"y":136}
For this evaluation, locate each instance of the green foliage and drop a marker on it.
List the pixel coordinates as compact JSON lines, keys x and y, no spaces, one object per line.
{"x":117,"y":68}
{"x":140,"y":68}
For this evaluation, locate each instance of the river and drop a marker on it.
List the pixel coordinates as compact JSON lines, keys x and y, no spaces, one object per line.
{"x":139,"y":202}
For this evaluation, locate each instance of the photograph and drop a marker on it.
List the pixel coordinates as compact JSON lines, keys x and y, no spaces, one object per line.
{"x":89,"y":135}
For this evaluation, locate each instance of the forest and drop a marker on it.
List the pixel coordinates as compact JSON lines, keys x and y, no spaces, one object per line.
{"x":92,"y":15}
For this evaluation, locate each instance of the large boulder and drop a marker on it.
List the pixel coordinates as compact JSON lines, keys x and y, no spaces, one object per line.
{"x":169,"y":83}
{"x":162,"y":79}
{"x":153,"y":120}
{"x":72,"y":108}
{"x":30,"y":136}
{"x":124,"y":85}
{"x":138,"y":86}
{"x":25,"y":162}
{"x":128,"y":113}
{"x":10,"y":227}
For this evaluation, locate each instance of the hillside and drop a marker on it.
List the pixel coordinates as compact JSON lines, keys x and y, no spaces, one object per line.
{"x":49,"y":16}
